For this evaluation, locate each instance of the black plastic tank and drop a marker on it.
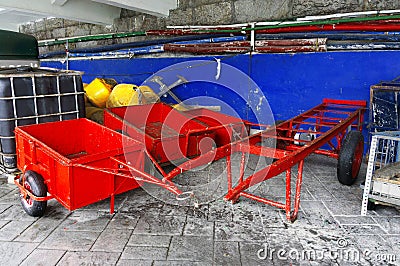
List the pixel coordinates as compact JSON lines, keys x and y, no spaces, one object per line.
{"x":35,"y":95}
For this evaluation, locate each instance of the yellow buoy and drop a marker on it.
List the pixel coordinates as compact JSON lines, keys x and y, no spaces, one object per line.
{"x":130,"y":94}
{"x":123,"y":95}
{"x":99,"y":90}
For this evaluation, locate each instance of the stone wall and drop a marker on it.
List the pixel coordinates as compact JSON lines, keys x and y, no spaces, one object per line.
{"x":205,"y":12}
{"x":55,"y":28}
{"x":199,"y":12}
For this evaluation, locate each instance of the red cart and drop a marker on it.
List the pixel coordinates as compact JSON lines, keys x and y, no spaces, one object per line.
{"x":163,"y":129}
{"x":332,"y":128}
{"x":78,"y":162}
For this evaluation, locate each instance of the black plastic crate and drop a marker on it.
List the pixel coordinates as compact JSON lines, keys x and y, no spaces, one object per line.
{"x":33,"y":96}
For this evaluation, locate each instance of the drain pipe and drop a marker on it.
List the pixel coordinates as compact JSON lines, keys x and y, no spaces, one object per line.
{"x":67,"y":54}
{"x":253,"y":36}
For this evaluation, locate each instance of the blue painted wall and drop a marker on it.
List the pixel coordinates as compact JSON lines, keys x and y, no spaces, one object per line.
{"x":291,"y":83}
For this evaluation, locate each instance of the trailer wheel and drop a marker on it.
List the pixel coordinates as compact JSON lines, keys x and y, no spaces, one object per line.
{"x":350,"y":157}
{"x":35,"y":184}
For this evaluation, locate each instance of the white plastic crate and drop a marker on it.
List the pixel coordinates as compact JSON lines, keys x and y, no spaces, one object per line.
{"x":382,"y":183}
{"x":384,"y":187}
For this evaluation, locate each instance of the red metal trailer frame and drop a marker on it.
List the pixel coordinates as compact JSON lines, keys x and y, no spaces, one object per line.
{"x":330,"y":123}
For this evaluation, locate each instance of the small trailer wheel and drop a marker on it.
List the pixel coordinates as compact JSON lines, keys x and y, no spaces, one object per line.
{"x":350,"y":157}
{"x":35,"y":184}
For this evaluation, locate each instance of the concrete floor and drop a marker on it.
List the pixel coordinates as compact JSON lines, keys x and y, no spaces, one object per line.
{"x":146,"y":231}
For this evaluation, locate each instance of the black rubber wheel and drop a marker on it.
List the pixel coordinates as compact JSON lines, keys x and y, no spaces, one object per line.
{"x":35,"y":184}
{"x":350,"y":157}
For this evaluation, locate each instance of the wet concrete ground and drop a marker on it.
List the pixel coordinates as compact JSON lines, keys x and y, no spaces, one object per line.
{"x":147,"y":231}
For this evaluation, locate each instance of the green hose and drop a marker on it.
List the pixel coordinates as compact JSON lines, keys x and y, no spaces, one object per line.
{"x":92,"y":38}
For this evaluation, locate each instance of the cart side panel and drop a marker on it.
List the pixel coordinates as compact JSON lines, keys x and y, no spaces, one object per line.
{"x":215,"y":120}
{"x":145,"y":116}
{"x":216,"y":117}
{"x":90,"y":186}
{"x":226,"y":135}
{"x":77,"y":172}
{"x":115,"y":122}
{"x":23,"y":158}
{"x":74,"y":138}
{"x":164,"y":147}
{"x":181,"y":123}
{"x":32,"y":155}
{"x":165,"y":150}
{"x":78,"y":186}
{"x":123,"y":184}
{"x":139,"y":115}
{"x":135,"y":159}
{"x":166,"y":129}
{"x":200,"y":143}
{"x":112,"y":121}
{"x":59,"y":184}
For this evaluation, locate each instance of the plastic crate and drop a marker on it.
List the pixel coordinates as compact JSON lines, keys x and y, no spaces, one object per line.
{"x":32,"y":96}
{"x":382,"y":183}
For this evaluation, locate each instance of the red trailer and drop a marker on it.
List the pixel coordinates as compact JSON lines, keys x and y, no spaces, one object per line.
{"x":78,"y":162}
{"x":68,"y":165}
{"x":332,"y":128}
{"x":163,"y":129}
